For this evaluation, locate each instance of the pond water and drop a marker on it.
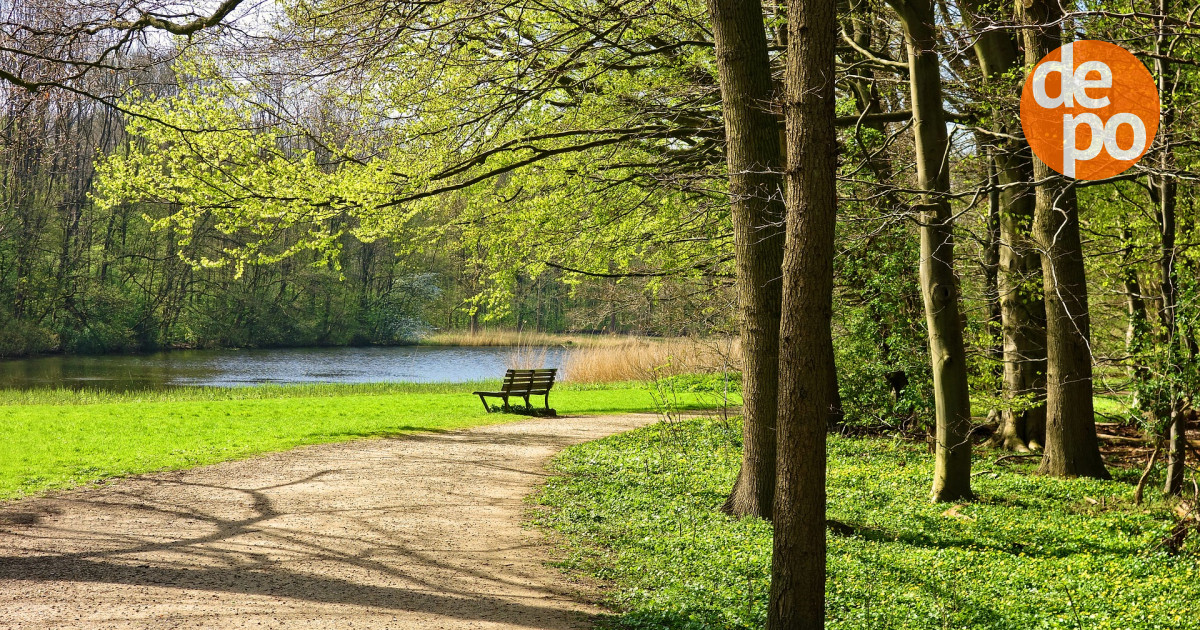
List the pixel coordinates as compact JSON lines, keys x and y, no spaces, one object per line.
{"x":233,"y":368}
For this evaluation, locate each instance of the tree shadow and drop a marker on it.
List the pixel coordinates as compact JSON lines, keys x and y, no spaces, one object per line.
{"x":918,"y":537}
{"x":402,"y":431}
{"x":261,"y":552}
{"x":952,"y":599}
{"x":21,"y":517}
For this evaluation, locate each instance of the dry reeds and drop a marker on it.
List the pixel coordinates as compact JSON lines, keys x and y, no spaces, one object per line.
{"x":643,"y":359}
{"x":526,"y":357}
{"x":604,"y":358}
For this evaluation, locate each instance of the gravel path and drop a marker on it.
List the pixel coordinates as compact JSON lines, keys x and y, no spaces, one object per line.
{"x":420,"y":531}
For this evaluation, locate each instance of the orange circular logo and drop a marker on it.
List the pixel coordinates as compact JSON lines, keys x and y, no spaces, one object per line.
{"x":1090,"y":109}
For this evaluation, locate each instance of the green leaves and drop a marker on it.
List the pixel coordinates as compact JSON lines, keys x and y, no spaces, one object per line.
{"x":199,"y":155}
{"x":559,"y":133}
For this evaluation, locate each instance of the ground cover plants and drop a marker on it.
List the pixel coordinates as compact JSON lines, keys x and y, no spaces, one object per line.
{"x":641,"y":511}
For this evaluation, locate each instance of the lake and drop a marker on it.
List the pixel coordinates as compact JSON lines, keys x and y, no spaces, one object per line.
{"x":234,"y":368}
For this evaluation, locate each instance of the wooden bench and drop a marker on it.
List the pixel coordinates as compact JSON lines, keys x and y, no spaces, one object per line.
{"x":522,"y":384}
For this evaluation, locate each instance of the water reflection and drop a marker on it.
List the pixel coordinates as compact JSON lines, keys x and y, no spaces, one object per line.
{"x":233,"y":368}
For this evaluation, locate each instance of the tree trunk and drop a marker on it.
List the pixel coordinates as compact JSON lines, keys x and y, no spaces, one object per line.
{"x":753,"y":154}
{"x":1022,"y":311}
{"x":1071,"y":445}
{"x":857,"y":24}
{"x":1136,"y":324}
{"x":939,"y":286}
{"x":991,"y":268}
{"x":806,"y":401}
{"x":1177,"y":431}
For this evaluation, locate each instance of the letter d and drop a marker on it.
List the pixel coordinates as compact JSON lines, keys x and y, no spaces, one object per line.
{"x":1066,"y":77}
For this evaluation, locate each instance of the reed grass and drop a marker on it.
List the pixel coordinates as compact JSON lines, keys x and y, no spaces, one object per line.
{"x":643,"y":359}
{"x":604,"y":358}
{"x":526,"y":357}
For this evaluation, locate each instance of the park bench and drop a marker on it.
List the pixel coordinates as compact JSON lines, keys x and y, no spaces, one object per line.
{"x":522,"y":384}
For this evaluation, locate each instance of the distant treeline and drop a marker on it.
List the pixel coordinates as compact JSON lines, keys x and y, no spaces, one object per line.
{"x":77,"y":278}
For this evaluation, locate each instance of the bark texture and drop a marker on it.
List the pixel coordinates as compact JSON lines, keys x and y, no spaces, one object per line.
{"x":1167,"y":200}
{"x":1022,"y":310}
{"x":806,"y":356}
{"x":1137,"y":324}
{"x":1071,"y":445}
{"x":754,"y":158}
{"x":939,"y":286}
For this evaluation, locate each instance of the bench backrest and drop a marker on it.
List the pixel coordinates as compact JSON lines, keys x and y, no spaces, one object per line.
{"x":532,"y":381}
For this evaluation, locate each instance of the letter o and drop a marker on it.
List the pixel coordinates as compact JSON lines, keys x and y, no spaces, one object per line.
{"x":1110,"y":136}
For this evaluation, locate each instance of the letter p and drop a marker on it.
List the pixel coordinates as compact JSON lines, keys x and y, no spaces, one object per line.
{"x":1071,"y":152}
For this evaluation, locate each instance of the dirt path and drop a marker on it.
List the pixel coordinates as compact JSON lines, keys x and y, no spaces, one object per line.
{"x":422,"y":531}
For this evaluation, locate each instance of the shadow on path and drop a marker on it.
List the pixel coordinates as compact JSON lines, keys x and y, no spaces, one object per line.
{"x":406,"y":532}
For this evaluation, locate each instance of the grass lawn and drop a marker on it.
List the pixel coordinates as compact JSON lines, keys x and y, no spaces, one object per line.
{"x":641,"y":511}
{"x":61,"y":438}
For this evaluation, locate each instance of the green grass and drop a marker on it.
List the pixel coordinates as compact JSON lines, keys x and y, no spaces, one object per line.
{"x":641,"y":510}
{"x":60,"y":438}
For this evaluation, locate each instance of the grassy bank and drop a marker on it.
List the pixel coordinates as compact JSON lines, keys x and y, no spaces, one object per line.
{"x":641,"y":510}
{"x":60,"y":438}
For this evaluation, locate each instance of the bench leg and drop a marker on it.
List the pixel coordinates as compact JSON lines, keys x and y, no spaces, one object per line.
{"x":485,"y":405}
{"x":547,"y":401}
{"x":506,"y":407}
{"x":527,"y":405}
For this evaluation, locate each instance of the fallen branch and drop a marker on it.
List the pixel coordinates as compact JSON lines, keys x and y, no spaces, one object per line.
{"x":1121,"y":439}
{"x":1132,"y":441}
{"x":1008,"y":457}
{"x":1141,"y":484}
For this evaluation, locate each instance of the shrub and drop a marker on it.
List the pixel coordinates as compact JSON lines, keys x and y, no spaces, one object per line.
{"x":18,"y":338}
